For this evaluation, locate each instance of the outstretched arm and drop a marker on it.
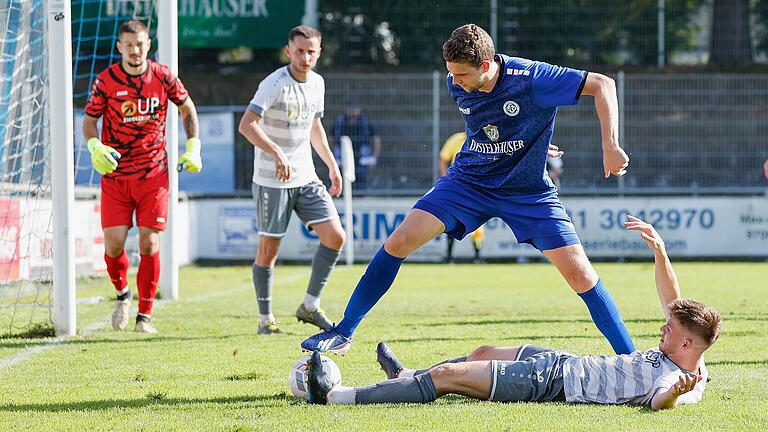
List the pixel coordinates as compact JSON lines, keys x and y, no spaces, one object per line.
{"x":666,"y":281}
{"x":603,"y":88}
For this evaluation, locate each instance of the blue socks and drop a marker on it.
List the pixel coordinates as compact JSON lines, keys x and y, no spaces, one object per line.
{"x":607,"y":318}
{"x":383,"y":268}
{"x":375,"y":282}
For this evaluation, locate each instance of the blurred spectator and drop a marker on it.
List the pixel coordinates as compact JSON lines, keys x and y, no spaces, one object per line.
{"x":555,"y":169}
{"x":365,"y":142}
{"x":447,"y":154}
{"x":765,"y":168}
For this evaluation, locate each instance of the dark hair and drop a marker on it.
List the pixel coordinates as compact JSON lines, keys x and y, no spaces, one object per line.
{"x":697,"y":318}
{"x":132,"y":26}
{"x":306,"y":31}
{"x":469,"y":44}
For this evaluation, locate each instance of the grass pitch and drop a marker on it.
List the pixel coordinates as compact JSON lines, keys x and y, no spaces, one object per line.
{"x":208,"y":370}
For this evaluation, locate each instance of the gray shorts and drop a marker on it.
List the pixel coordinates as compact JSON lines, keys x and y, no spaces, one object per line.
{"x":535,"y":376}
{"x":311,"y":202}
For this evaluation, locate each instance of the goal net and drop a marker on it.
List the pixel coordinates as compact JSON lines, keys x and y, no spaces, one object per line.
{"x":25,"y":183}
{"x":26,"y":233}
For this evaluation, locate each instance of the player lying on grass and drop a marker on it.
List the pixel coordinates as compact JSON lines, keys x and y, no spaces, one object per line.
{"x":663,"y":377}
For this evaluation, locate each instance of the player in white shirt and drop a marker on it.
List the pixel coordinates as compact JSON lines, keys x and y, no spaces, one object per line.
{"x":663,"y":377}
{"x":283,"y":122}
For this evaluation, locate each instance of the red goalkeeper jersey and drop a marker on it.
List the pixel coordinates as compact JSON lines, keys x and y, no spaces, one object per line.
{"x":134,"y":108}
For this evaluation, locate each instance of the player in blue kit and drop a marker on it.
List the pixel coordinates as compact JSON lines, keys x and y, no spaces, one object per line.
{"x":509,"y":107}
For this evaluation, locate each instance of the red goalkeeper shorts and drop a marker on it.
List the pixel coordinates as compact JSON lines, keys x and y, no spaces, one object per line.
{"x":148,"y":197}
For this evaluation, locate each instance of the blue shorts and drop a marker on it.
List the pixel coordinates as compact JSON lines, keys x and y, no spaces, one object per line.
{"x":537,"y":219}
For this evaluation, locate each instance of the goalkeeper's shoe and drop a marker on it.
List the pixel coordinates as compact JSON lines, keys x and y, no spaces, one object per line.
{"x":268,"y":327}
{"x":120,"y":316}
{"x":144,"y":325}
{"x":319,"y":380}
{"x":316,"y":317}
{"x":328,"y":341}
{"x":388,"y":361}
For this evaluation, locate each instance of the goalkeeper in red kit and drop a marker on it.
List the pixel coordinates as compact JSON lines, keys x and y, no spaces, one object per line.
{"x":132,"y":97}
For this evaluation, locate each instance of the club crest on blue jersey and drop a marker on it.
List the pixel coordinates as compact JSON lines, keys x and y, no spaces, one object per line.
{"x":509,"y":128}
{"x":511,"y":108}
{"x":491,"y":131}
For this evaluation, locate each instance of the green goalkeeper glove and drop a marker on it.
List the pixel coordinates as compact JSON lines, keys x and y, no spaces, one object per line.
{"x":103,"y":158}
{"x":191,"y":160}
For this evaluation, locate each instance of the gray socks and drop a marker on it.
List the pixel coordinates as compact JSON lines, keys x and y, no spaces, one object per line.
{"x":419,"y":389}
{"x":322,"y":264}
{"x":262,"y":281}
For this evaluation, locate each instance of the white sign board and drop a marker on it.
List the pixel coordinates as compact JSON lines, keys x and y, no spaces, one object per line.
{"x":217,"y":135}
{"x":691,"y":227}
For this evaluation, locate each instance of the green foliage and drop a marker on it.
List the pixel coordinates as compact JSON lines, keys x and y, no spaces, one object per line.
{"x":570,"y":32}
{"x":208,"y":370}
{"x":760,"y":10}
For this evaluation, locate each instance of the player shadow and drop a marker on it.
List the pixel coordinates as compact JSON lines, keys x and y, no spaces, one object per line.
{"x":93,"y":339}
{"x":509,"y":337}
{"x":453,"y":399}
{"x":763,"y":362}
{"x":152,"y":400}
{"x":531,"y":321}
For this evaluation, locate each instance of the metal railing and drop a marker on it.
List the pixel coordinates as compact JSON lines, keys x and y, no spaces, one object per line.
{"x":685,"y":134}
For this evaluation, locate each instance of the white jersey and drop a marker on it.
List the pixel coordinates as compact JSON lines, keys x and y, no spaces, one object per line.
{"x":288,"y":108}
{"x":625,"y":379}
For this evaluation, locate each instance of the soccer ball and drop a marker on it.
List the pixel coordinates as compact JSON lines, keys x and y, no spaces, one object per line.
{"x":297,"y":378}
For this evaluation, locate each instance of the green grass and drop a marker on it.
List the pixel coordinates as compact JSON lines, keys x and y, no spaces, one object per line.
{"x":208,"y":370}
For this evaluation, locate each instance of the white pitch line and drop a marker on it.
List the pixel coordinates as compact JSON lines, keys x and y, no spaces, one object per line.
{"x":90,"y":328}
{"x":26,"y":355}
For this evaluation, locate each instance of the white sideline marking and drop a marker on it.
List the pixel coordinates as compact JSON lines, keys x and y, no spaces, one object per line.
{"x":90,"y":328}
{"x":25,"y":355}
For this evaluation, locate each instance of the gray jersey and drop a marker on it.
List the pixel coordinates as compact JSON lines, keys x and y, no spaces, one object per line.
{"x":625,"y":379}
{"x":288,"y":108}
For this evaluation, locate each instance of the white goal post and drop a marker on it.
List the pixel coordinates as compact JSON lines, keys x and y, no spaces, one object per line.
{"x":61,"y":133}
{"x":62,"y":164}
{"x":168,"y":53}
{"x":348,"y":174}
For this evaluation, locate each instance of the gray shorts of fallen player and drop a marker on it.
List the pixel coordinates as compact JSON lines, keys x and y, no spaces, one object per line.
{"x":536,"y":375}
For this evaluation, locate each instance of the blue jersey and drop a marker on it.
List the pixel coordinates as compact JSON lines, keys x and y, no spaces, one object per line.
{"x":509,"y":128}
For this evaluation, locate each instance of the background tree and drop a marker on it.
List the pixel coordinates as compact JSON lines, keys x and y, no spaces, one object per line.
{"x":579,"y":33}
{"x":731,"y":33}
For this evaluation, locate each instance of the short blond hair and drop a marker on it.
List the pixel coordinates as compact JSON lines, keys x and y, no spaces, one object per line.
{"x":698,"y":318}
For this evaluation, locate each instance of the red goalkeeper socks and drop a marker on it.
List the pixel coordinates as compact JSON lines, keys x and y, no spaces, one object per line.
{"x":117,"y":268}
{"x":146,"y":281}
